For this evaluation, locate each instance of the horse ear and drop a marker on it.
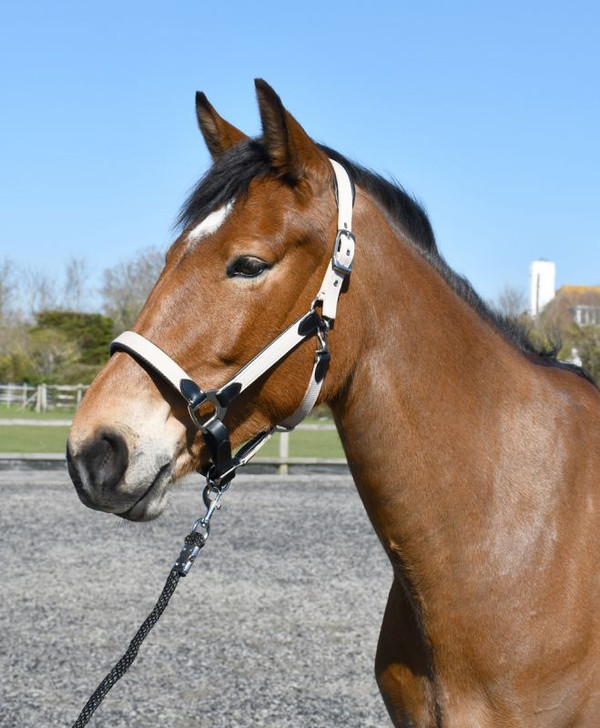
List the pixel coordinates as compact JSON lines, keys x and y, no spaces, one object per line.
{"x":293,"y":153}
{"x":218,"y":134}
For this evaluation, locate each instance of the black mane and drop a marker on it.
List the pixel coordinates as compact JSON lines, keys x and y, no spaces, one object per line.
{"x":230,"y":177}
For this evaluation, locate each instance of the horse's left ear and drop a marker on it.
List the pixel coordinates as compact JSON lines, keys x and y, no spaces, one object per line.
{"x":293,"y":153}
{"x":218,"y":134}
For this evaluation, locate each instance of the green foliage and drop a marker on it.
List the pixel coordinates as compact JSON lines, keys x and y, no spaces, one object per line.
{"x":50,"y":352}
{"x":546,"y":337}
{"x":584,"y":342}
{"x":90,"y":332}
{"x":15,"y":366}
{"x":577,"y":343}
{"x":64,"y":347}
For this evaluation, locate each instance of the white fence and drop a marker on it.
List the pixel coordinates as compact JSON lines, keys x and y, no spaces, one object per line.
{"x":42,"y":398}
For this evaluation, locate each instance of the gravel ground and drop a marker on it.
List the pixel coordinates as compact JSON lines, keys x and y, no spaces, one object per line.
{"x":276,"y":625}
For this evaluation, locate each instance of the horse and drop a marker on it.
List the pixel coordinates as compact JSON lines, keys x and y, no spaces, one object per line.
{"x":476,"y":453}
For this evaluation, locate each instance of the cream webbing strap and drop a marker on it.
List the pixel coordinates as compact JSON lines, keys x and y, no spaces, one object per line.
{"x":152,"y":355}
{"x":340,"y":265}
{"x":339,"y":268}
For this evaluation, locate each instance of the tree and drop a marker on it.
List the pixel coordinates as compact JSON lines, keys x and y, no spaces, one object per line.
{"x":127,"y":285}
{"x":15,"y":365}
{"x":584,"y":341}
{"x":90,"y":332}
{"x":512,"y":301}
{"x":579,"y":342}
{"x":50,"y":353}
{"x":75,"y":290}
{"x":14,"y":362}
{"x":39,"y":290}
{"x":7,"y":289}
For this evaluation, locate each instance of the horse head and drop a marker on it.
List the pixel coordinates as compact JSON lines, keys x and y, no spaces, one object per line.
{"x":255,"y":243}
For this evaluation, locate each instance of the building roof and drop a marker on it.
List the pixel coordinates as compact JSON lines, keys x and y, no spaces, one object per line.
{"x":578,"y":291}
{"x":561,"y":311}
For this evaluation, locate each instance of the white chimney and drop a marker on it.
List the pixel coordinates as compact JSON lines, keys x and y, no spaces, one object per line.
{"x":542,"y":277}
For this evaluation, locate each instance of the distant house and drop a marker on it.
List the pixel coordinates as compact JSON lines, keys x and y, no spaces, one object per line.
{"x":574,"y":305}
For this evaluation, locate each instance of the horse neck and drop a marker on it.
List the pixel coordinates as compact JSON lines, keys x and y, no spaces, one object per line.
{"x":419,"y":415}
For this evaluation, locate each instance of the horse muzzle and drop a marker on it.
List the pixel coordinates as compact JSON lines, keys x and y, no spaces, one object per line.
{"x":108,"y":477}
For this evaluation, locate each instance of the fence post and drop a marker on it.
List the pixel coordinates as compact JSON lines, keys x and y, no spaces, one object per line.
{"x":79,"y":395}
{"x":284,"y":452}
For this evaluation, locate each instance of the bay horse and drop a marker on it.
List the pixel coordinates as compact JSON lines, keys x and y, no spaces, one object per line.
{"x":475,"y":452}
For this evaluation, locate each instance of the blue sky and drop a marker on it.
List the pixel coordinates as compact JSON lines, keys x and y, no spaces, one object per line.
{"x":488,"y":112}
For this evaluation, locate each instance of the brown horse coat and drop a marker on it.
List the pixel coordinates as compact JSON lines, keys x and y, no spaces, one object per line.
{"x":476,"y":457}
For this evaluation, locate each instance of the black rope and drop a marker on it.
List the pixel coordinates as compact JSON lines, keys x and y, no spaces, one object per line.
{"x":126,"y":661}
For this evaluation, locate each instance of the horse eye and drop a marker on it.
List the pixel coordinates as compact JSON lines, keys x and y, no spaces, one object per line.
{"x":247,"y":266}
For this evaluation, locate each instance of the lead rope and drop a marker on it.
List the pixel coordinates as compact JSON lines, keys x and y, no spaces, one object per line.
{"x":126,"y":661}
{"x":192,"y":545}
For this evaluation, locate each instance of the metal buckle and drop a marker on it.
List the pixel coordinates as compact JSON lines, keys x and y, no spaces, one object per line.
{"x":345,"y":268}
{"x":203,"y":419}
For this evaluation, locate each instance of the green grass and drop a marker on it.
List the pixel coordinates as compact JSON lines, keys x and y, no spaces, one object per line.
{"x":307,"y":443}
{"x":33,"y":438}
{"x":44,"y":439}
{"x":19,"y":413}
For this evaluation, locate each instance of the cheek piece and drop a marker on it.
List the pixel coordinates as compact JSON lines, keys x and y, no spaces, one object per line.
{"x":208,"y":408}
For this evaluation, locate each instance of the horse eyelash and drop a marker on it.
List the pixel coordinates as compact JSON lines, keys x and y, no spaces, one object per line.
{"x":233,"y":273}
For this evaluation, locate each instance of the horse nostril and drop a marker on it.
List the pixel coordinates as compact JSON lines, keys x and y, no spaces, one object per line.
{"x":101,"y":462}
{"x":72,"y":468}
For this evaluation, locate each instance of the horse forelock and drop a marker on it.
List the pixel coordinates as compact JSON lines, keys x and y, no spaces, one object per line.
{"x":228,"y":179}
